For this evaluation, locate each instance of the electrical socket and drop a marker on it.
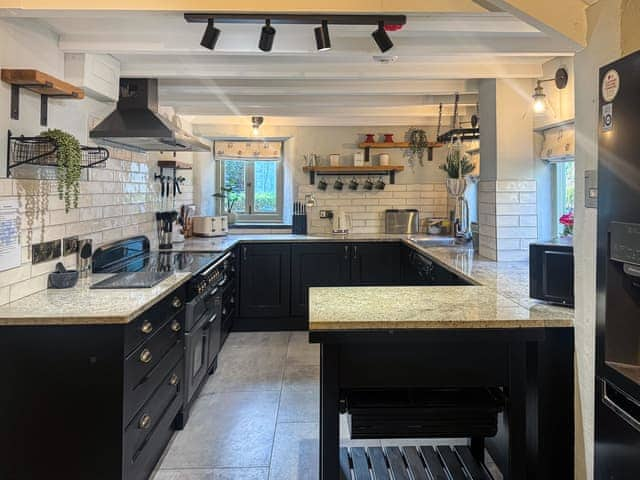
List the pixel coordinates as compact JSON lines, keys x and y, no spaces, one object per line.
{"x":326,"y":213}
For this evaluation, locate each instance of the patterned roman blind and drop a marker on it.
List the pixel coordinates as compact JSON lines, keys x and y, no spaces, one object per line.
{"x":247,"y":150}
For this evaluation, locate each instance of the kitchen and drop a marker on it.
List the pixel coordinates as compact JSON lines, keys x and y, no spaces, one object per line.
{"x":193,"y":315}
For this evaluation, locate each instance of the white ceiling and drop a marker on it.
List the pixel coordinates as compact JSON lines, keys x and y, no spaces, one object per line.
{"x":437,"y":55}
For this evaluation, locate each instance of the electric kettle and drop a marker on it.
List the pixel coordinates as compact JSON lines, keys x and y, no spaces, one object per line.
{"x":341,"y":222}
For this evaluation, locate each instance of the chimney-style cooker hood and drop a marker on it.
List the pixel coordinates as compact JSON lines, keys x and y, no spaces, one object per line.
{"x":135,"y":124}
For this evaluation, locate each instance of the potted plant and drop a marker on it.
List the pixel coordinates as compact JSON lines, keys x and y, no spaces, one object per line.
{"x":417,"y":140}
{"x":457,"y":166}
{"x":230,"y":197}
{"x":567,"y":222}
{"x":69,"y":161}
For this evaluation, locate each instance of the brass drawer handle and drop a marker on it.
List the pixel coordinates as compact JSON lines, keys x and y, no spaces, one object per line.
{"x":145,"y":356}
{"x":145,"y":422}
{"x":173,"y":381}
{"x":147,"y":327}
{"x":175,"y":326}
{"x":176,"y":302}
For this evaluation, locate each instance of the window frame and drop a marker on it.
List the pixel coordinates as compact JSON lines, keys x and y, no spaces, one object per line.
{"x":253,"y":217}
{"x":558,"y":194}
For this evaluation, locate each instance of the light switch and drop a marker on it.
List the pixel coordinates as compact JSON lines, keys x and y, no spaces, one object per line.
{"x":591,"y":189}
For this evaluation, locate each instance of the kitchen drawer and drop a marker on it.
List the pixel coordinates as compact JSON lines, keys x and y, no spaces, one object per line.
{"x":136,"y":397}
{"x":142,"y":361}
{"x":150,"y":430}
{"x":151,"y":320}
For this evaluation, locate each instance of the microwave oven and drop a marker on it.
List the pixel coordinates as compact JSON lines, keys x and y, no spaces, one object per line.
{"x":551,"y":269}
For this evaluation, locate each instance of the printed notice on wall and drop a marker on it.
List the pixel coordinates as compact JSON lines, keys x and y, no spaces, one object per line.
{"x":9,"y":235}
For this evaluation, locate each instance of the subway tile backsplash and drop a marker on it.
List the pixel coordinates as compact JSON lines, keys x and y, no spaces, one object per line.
{"x":114,"y":202}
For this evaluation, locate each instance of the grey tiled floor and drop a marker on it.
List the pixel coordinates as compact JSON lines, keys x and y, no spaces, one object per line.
{"x":257,"y":416}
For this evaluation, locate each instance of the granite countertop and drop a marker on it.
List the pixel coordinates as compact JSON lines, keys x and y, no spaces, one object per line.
{"x":82,"y":306}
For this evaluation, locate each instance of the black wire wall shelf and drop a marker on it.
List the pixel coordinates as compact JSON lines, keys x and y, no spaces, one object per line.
{"x":462,"y":134}
{"x":42,"y":151}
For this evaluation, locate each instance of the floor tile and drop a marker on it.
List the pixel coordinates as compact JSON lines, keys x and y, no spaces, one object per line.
{"x":257,"y":339}
{"x":299,"y":405}
{"x":301,"y":352}
{"x":295,"y":452}
{"x":214,"y":474}
{"x":248,"y":369}
{"x":302,"y":376}
{"x":231,"y":429}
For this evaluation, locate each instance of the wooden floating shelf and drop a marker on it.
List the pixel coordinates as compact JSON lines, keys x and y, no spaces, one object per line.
{"x":38,"y":82}
{"x":369,"y":170}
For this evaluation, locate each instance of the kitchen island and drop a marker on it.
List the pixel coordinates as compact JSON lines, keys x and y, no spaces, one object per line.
{"x":487,"y":335}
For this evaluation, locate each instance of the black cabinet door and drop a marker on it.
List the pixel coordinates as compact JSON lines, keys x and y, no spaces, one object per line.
{"x":376,"y":263}
{"x":316,"y":265}
{"x":265,"y":276}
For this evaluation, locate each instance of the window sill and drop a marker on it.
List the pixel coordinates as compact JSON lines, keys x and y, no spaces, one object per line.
{"x":249,"y":226}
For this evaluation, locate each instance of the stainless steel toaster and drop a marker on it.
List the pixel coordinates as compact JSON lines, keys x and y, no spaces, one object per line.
{"x":405,"y":221}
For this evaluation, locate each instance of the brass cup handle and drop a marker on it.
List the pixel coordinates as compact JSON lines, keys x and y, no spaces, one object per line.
{"x":145,"y":422}
{"x":173,"y":381}
{"x":176,"y":302}
{"x":145,"y":356}
{"x":147,"y":327}
{"x":175,"y":326}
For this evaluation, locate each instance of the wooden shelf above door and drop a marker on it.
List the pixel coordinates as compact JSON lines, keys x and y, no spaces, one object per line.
{"x":38,"y":82}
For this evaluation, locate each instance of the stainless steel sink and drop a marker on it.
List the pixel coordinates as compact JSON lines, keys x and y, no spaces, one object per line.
{"x":434,"y":241}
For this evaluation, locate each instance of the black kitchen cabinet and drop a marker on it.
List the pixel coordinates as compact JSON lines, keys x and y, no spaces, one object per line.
{"x":92,"y":401}
{"x":317,"y":265}
{"x":376,"y":263}
{"x":265,"y":279}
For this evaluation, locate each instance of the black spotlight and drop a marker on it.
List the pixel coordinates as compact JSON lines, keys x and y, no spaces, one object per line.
{"x":382,"y":39}
{"x":266,"y":37}
{"x":323,"y":42}
{"x":210,"y":37}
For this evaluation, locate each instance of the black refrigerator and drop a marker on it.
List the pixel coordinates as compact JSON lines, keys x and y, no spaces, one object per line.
{"x":617,"y":428}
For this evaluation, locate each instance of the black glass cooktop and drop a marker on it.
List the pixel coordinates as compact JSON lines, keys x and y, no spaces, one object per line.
{"x":132,"y":280}
{"x":191,"y":262}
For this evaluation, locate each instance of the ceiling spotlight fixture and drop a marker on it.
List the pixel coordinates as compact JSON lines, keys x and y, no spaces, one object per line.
{"x":323,"y":41}
{"x":382,"y":39}
{"x":561,"y":80}
{"x":210,"y":37}
{"x":267,"y":36}
{"x":256,"y":122}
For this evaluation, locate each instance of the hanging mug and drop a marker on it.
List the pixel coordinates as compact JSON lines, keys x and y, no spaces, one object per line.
{"x":368,"y":184}
{"x":380,"y":184}
{"x":338,"y":184}
{"x":322,"y":184}
{"x":353,"y":184}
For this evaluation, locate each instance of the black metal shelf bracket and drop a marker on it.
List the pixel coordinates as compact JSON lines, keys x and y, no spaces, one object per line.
{"x":44,"y":101}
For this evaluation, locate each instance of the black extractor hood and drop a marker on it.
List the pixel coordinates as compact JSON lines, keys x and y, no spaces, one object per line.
{"x":135,"y":124}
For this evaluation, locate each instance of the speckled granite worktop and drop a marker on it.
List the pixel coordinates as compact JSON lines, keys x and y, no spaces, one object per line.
{"x":82,"y":306}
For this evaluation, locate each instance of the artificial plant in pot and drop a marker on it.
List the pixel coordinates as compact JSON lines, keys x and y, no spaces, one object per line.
{"x":457,"y":166}
{"x":230,"y":197}
{"x":417,"y":140}
{"x":69,"y":161}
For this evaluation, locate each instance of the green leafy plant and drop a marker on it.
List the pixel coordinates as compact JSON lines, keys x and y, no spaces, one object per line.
{"x":69,"y":158}
{"x":417,"y":140}
{"x":229,"y":195}
{"x":457,"y":164}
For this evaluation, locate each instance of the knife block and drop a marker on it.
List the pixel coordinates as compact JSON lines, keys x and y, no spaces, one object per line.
{"x":299,"y":224}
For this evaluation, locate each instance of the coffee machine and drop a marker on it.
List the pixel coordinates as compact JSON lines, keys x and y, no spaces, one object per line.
{"x":165,"y":222}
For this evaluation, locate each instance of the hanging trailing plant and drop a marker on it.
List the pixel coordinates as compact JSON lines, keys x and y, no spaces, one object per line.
{"x":69,"y":157}
{"x":417,"y":140}
{"x":457,"y":164}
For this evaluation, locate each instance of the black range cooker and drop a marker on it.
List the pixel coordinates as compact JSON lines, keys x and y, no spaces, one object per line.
{"x":208,"y":320}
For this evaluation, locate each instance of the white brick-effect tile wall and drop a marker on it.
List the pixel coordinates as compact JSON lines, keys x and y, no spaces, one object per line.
{"x":117,"y":201}
{"x":367,"y":206}
{"x":507,"y":218}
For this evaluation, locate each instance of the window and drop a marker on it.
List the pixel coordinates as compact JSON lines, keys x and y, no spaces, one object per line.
{"x":564,"y":175}
{"x":253,"y":170}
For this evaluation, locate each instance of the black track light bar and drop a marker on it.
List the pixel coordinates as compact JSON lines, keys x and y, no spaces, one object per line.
{"x":292,"y":19}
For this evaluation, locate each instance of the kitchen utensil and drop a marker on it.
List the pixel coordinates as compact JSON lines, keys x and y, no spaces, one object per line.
{"x":384,"y":159}
{"x":338,"y":184}
{"x":322,"y":184}
{"x":368,"y":184}
{"x":358,"y":159}
{"x":341,"y":222}
{"x":379,"y":185}
{"x":165,"y":222}
{"x":334,"y":160}
{"x":309,"y":200}
{"x":353,"y":184}
{"x":299,"y":219}
{"x":85,"y":249}
{"x":62,"y":278}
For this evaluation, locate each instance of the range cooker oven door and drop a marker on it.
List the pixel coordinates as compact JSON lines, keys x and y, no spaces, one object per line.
{"x":197,"y":345}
